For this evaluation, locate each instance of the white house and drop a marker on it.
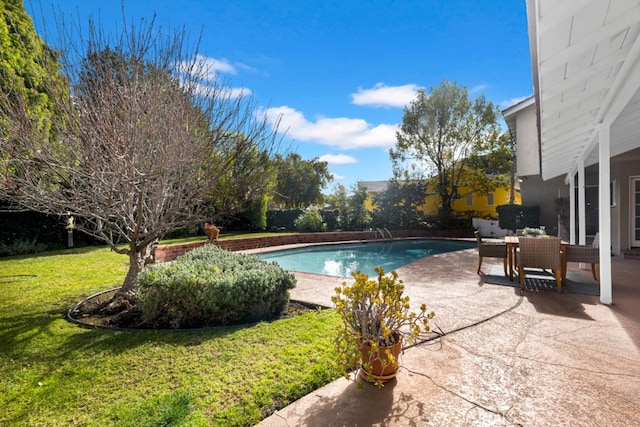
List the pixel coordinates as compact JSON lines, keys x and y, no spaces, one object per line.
{"x":579,"y":135}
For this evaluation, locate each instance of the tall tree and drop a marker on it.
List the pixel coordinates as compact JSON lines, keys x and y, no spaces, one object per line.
{"x":353,"y":214}
{"x":442,"y":136}
{"x":506,"y":161}
{"x":299,"y":182}
{"x":149,"y":138}
{"x":248,"y":176}
{"x":29,"y":70}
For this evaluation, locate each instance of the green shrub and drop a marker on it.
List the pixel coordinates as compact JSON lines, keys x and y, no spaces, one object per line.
{"x":21,"y":247}
{"x":18,"y":229}
{"x":213,"y":287}
{"x":331,"y":218}
{"x":309,"y":221}
{"x":512,"y":217}
{"x":258,"y":214}
{"x":459,"y":221}
{"x":282,"y":219}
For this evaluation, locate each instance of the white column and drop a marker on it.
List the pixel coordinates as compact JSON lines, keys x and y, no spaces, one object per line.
{"x":572,"y":209}
{"x":582,"y":205}
{"x":604,"y":217}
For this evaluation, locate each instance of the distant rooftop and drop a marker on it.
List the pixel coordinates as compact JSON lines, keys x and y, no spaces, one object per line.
{"x":374,"y":186}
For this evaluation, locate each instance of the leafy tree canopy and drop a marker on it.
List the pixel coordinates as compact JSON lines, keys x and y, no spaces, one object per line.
{"x":397,"y":206}
{"x":299,"y":182}
{"x":350,"y":205}
{"x":445,"y":137}
{"x":29,"y":71}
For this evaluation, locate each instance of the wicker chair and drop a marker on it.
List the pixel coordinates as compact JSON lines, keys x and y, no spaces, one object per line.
{"x":491,"y":250}
{"x":540,"y":252}
{"x":586,"y":254}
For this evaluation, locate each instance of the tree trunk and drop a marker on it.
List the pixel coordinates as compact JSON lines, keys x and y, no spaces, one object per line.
{"x":136,"y":266}
{"x":512,"y":184}
{"x":444,"y":213}
{"x":125,"y":298}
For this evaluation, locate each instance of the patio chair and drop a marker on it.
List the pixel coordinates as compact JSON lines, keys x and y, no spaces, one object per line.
{"x":539,"y":252}
{"x":491,"y":250}
{"x":588,"y":254}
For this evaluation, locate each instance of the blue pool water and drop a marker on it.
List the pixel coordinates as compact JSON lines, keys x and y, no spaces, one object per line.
{"x":343,"y":259}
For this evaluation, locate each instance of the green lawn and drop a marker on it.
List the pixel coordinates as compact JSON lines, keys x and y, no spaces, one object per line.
{"x":53,"y":372}
{"x":225,"y":236}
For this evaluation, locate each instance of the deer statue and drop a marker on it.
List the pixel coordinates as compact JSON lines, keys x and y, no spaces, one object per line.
{"x":211,"y":231}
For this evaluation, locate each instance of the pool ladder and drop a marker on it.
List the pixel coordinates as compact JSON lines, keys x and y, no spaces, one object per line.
{"x":381,"y":231}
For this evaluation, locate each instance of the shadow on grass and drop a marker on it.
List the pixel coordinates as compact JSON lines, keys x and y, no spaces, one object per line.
{"x":71,"y":251}
{"x":17,"y":278}
{"x":57,"y":338}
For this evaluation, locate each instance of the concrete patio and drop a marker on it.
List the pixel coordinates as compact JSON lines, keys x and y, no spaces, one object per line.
{"x":503,"y":359}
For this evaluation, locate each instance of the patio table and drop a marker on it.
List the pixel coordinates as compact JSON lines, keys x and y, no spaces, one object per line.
{"x":512,"y":244}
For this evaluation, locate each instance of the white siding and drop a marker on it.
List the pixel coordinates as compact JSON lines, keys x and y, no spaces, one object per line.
{"x":528,"y":154}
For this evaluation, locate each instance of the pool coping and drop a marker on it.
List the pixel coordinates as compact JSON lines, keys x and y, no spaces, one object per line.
{"x":267,"y":249}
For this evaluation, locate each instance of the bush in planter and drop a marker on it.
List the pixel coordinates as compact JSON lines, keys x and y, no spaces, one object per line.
{"x":375,"y":314}
{"x":533,"y":231}
{"x":212,"y":287}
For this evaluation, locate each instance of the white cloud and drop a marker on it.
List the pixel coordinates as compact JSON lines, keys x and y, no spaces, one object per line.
{"x":207,"y":70}
{"x":339,"y":132}
{"x":338,"y":159}
{"x":214,"y":66}
{"x":385,"y":96}
{"x":245,"y":67}
{"x":237,"y":92}
{"x":513,"y":101}
{"x":338,"y":177}
{"x":478,"y":88}
{"x":232,"y":92}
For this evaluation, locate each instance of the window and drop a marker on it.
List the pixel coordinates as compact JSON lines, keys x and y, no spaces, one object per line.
{"x":490,"y":199}
{"x":470,"y":199}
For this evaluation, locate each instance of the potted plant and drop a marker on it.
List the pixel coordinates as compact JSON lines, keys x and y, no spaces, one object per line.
{"x":533,"y":232}
{"x":375,"y":321}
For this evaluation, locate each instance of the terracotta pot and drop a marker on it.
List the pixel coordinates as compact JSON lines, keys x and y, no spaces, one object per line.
{"x":380,"y":368}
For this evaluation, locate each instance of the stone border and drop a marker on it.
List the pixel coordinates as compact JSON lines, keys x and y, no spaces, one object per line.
{"x":86,"y":325}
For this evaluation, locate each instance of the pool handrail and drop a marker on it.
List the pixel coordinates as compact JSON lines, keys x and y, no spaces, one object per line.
{"x":381,"y":231}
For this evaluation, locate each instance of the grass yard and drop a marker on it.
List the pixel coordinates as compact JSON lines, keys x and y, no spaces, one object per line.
{"x":53,"y":372}
{"x":226,"y":236}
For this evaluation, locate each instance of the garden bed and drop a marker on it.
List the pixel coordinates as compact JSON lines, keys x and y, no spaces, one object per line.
{"x":90,"y":313}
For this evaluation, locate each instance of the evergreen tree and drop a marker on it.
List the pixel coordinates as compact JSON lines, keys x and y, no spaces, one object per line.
{"x":30,"y":75}
{"x":299,"y":182}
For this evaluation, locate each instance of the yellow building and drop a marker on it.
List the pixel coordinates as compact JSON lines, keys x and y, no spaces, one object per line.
{"x":483,"y":205}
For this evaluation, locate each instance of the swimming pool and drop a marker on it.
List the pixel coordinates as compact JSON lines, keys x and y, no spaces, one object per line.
{"x":345,"y":258}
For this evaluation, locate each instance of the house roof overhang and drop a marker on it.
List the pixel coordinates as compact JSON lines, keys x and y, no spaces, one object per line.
{"x":585,"y":57}
{"x":511,"y":113}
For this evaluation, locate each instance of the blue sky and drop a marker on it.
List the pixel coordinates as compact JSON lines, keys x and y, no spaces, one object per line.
{"x":340,"y":72}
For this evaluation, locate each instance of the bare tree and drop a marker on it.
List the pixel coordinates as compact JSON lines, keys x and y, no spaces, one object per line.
{"x":149,"y":139}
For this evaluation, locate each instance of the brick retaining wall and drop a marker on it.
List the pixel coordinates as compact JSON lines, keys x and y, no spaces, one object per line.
{"x":170,"y":252}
